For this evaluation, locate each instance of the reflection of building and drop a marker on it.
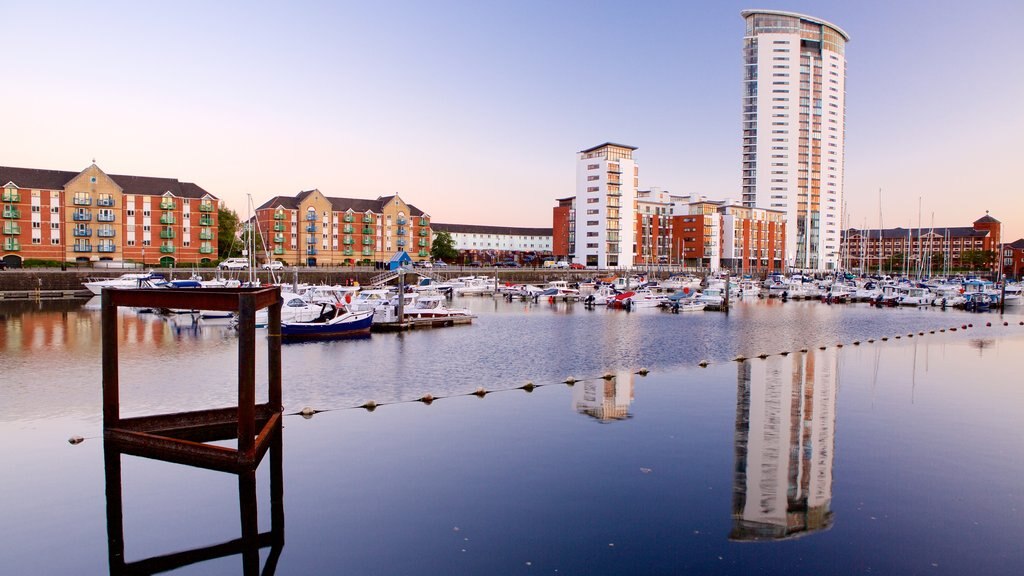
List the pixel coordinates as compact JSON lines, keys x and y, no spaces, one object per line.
{"x":606,"y":400}
{"x":785,"y":438}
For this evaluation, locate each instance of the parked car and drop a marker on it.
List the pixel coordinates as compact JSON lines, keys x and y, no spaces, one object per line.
{"x":234,"y":264}
{"x":562,"y":264}
{"x":576,"y":266}
{"x":549,"y":264}
{"x":273,"y":265}
{"x":422,"y":264}
{"x":508,"y":264}
{"x":441,"y":264}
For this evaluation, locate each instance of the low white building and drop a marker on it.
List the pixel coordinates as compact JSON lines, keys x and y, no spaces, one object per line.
{"x":496,"y":240}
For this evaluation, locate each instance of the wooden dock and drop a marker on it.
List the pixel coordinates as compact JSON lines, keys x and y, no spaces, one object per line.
{"x":44,"y":294}
{"x":420,"y":323}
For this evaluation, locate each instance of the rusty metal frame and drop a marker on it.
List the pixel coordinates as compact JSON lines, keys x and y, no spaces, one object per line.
{"x":248,"y":545}
{"x":183,"y":437}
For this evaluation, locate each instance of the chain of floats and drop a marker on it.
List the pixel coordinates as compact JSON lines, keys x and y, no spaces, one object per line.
{"x":529,"y":386}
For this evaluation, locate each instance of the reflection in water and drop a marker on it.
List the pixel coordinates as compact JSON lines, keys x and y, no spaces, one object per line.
{"x":606,"y":400}
{"x":785,"y":440}
{"x":248,"y":545}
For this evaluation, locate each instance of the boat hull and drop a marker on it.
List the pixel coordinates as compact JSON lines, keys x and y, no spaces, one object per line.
{"x":357,"y":324}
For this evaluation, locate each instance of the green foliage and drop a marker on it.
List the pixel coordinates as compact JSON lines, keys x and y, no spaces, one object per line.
{"x":36,"y":263}
{"x":443,"y":247}
{"x":227,"y":233}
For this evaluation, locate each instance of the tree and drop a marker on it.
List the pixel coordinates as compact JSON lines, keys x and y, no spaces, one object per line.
{"x":443,"y":247}
{"x":227,"y":232}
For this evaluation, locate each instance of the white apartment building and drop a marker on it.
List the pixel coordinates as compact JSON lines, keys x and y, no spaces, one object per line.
{"x":607,"y":179}
{"x":794,"y":123}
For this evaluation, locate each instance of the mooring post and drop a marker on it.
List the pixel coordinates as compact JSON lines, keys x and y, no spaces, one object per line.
{"x":247,"y":377}
{"x":274,"y":401}
{"x":111,"y":400}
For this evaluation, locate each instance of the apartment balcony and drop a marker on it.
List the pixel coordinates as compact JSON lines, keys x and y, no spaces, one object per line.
{"x":347,"y":252}
{"x":311,"y":251}
{"x":206,"y":235}
{"x":347,"y":240}
{"x":278,"y":250}
{"x":348,"y":218}
{"x":205,"y":220}
{"x":12,"y":196}
{"x":423,"y":253}
{"x":311,"y":228}
{"x":347,"y":229}
{"x":367,"y":230}
{"x":401,"y":221}
{"x":367,"y":241}
{"x":105,"y":202}
{"x":279,"y":238}
{"x":208,"y":207}
{"x":106,"y":248}
{"x":106,"y":232}
{"x":401,"y":231}
{"x":615,"y":182}
{"x":279,"y":227}
{"x":166,"y":249}
{"x":167,"y":234}
{"x":84,"y":232}
{"x":401,"y":242}
{"x":105,"y":217}
{"x":11,"y":246}
{"x":11,"y":229}
{"x":311,"y":240}
{"x":82,"y":247}
{"x":424,"y":232}
{"x":424,"y":222}
{"x":80,"y":216}
{"x":279,"y":215}
{"x":311,"y":217}
{"x":167,"y":204}
{"x":422,"y":243}
{"x":10,"y":212}
{"x":167,"y":219}
{"x":206,"y":249}
{"x":82,"y":201}
{"x":367,"y":219}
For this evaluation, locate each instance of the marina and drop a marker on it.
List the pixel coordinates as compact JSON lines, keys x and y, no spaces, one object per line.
{"x":390,"y":488}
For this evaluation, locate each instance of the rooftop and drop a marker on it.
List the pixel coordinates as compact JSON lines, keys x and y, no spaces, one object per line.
{"x":750,"y":12}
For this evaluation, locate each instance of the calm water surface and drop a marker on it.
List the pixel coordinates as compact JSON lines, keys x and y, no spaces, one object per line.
{"x":897,"y":457}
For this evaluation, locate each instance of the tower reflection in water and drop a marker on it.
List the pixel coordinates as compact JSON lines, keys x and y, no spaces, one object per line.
{"x":785,"y":441}
{"x":248,"y":546}
{"x":607,"y":400}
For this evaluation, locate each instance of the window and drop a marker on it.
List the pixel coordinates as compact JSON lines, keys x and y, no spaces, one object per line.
{"x":54,"y":210}
{"x":35,"y":208}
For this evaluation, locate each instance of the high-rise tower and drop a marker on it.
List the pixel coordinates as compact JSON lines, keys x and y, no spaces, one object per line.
{"x":794,"y":126}
{"x":607,"y":178}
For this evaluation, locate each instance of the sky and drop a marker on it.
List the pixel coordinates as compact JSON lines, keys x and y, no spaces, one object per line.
{"x":474,"y":110}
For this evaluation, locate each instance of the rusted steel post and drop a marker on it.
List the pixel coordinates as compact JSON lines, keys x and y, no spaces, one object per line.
{"x":246,"y":378}
{"x":274,"y":355}
{"x":111,"y":398}
{"x":115,"y":510}
{"x":250,"y":523}
{"x":277,"y":489}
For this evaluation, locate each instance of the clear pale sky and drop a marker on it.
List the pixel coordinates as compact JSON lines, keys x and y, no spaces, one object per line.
{"x":474,"y":111}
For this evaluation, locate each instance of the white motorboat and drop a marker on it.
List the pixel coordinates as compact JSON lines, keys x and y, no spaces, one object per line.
{"x":432,"y":306}
{"x":130,"y":280}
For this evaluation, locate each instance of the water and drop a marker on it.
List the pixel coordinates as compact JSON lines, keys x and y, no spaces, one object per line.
{"x":901,"y":456}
